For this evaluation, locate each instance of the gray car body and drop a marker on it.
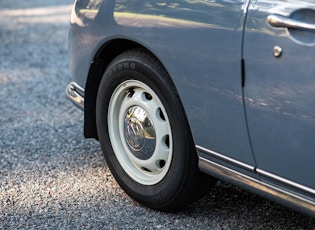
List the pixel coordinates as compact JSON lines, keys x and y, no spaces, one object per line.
{"x":249,"y":104}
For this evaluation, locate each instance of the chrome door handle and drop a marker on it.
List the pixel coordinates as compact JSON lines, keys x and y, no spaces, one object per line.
{"x":280,"y":21}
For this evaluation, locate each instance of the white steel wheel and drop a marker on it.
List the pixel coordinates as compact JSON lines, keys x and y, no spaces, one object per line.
{"x":144,"y":134}
{"x":140,"y":132}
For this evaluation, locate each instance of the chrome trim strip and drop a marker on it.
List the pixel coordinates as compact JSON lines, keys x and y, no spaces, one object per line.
{"x":75,"y":94}
{"x":290,"y":198}
{"x":225,"y":158}
{"x":291,"y":183}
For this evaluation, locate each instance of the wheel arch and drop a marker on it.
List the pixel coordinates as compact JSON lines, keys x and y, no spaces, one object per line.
{"x":105,"y":54}
{"x":102,"y":59}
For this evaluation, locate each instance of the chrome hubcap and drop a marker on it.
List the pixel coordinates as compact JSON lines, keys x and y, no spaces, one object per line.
{"x":139,"y":132}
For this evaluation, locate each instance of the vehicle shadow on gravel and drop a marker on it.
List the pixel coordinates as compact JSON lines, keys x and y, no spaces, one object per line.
{"x":238,"y":209}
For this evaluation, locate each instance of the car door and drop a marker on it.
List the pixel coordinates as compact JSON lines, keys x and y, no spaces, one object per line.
{"x":279,"y":53}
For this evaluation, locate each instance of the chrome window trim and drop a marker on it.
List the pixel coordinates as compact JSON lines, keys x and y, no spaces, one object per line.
{"x":225,"y":158}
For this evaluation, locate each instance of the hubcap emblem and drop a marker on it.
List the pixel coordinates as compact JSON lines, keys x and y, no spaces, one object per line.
{"x":134,"y":134}
{"x":139,"y":132}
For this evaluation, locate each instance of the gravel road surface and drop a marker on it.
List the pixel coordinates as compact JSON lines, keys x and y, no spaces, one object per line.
{"x":53,"y":178}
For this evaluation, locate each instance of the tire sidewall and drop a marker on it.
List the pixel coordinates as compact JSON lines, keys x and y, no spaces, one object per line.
{"x":134,"y":68}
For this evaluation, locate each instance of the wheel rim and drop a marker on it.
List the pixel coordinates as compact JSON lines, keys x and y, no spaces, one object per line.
{"x":140,"y":132}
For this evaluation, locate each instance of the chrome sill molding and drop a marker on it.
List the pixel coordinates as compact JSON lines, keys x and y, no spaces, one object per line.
{"x":285,"y":181}
{"x":225,"y":158}
{"x":249,"y":182}
{"x":75,"y":94}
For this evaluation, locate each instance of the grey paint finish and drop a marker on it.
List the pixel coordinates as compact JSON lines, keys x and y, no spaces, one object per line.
{"x":280,"y":92}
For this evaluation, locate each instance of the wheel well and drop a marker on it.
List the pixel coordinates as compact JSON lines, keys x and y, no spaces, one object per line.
{"x":98,"y":66}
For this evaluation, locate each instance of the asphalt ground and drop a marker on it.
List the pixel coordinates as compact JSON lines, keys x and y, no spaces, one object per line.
{"x":53,"y":178}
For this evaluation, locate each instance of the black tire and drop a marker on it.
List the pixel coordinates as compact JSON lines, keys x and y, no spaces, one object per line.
{"x":144,"y":134}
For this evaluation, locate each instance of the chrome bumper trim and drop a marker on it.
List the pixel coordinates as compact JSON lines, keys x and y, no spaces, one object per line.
{"x":76,"y":94}
{"x":299,"y":202}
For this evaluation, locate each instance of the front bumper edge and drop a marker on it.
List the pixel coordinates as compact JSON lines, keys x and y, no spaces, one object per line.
{"x":76,"y":94}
